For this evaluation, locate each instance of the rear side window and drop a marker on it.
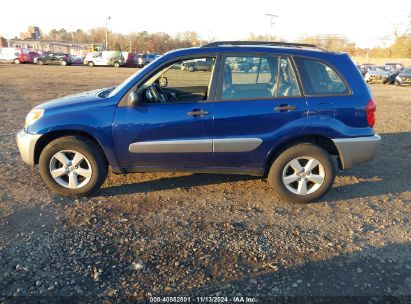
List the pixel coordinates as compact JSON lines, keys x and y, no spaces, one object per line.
{"x":319,"y":78}
{"x":248,"y":77}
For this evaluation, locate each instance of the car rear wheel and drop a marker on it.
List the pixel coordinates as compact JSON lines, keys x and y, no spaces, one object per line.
{"x":116,"y":64}
{"x":40,"y":62}
{"x":73,"y":166}
{"x":191,"y":69}
{"x":90,"y":63}
{"x":17,"y":61}
{"x":302,"y":173}
{"x":63,"y":62}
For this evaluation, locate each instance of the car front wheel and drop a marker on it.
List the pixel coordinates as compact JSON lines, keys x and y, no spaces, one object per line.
{"x":302,"y":173}
{"x":73,"y":166}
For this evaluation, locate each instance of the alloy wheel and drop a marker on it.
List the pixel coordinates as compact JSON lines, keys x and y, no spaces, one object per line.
{"x":70,"y":169}
{"x":303,"y":175}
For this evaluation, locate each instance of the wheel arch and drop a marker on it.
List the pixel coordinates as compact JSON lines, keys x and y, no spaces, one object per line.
{"x":322,"y":141}
{"x":49,"y":137}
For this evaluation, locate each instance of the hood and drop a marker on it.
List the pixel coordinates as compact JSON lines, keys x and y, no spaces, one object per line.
{"x":78,"y":99}
{"x":405,"y":75}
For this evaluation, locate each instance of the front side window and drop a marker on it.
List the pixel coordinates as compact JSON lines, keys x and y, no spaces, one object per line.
{"x":182,"y":81}
{"x":258,"y":77}
{"x":319,"y":78}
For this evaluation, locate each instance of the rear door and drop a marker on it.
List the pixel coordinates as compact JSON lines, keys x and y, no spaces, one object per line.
{"x":255,"y":109}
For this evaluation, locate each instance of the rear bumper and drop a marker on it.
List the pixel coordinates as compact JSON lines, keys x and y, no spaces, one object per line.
{"x":26,"y":143}
{"x":357,"y":150}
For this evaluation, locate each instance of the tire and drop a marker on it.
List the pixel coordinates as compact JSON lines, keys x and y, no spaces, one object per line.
{"x":63,"y":62}
{"x":70,"y":182}
{"x":282,"y":171}
{"x":90,"y":63}
{"x":190,"y":69}
{"x":116,"y":64}
{"x":17,"y":61}
{"x":40,"y":62}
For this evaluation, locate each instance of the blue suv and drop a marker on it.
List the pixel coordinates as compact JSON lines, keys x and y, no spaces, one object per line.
{"x":284,"y":111}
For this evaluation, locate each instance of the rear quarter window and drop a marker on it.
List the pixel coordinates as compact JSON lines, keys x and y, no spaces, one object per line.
{"x":318,"y":78}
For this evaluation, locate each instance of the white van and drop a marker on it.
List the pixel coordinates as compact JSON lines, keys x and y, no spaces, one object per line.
{"x":15,"y":55}
{"x":105,"y":58}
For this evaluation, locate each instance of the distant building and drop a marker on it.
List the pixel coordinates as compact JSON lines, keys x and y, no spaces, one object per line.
{"x":3,"y":42}
{"x":32,"y":40}
{"x":32,"y":33}
{"x":73,"y":48}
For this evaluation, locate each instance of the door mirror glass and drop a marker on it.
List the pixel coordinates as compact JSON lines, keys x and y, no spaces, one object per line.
{"x":132,"y":98}
{"x":163,"y":82}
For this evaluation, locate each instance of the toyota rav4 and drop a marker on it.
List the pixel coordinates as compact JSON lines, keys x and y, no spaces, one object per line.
{"x":293,"y":114}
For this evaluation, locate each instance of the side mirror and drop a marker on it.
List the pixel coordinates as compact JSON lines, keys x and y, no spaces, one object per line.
{"x":163,"y":82}
{"x":132,"y":98}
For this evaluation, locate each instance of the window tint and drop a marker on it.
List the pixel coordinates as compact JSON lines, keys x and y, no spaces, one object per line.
{"x":258,"y":77}
{"x":187,"y":80}
{"x":319,"y":78}
{"x":190,"y":73}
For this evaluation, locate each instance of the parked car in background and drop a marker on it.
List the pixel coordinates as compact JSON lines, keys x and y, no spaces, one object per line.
{"x":104,"y":58}
{"x":395,"y":67}
{"x":54,"y":58}
{"x":144,"y":59}
{"x":129,"y":59}
{"x":404,"y":77}
{"x":365,"y":67}
{"x":76,"y":59}
{"x":16,"y":55}
{"x":380,"y":74}
{"x":34,"y":56}
{"x":285,"y":124}
{"x":197,"y":65}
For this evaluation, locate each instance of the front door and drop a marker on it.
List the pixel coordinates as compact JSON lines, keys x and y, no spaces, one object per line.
{"x":170,"y":128}
{"x":258,"y":105}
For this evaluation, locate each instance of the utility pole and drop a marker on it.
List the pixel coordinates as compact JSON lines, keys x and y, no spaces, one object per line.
{"x":107,"y":19}
{"x":271,"y":23}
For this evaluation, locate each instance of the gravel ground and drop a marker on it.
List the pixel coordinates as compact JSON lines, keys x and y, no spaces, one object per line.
{"x":180,"y":234}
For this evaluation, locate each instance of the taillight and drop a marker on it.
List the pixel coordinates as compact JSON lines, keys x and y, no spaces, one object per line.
{"x":370,"y":112}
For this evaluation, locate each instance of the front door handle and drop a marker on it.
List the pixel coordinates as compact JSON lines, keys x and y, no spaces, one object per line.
{"x":283,"y":108}
{"x":197,"y":113}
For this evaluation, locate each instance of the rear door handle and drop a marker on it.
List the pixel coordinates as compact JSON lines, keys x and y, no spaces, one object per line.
{"x":197,"y":113}
{"x":283,"y":108}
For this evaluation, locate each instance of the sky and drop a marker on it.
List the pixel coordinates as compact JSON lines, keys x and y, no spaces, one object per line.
{"x":366,"y":22}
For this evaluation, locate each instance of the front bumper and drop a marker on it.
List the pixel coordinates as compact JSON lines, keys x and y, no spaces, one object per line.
{"x":357,"y":149}
{"x":26,"y":143}
{"x":376,"y":78}
{"x":403,"y":81}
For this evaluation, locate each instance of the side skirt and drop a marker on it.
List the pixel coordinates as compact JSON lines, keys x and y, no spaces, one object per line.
{"x":239,"y":171}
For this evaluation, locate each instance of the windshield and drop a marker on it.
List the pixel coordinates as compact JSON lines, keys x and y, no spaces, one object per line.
{"x":381,"y":67}
{"x":125,"y":82}
{"x":407,"y":71}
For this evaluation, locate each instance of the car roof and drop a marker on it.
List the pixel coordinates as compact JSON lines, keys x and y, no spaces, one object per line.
{"x":252,"y":49}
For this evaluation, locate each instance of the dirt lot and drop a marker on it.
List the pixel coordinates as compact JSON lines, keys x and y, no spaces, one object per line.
{"x":179,"y":234}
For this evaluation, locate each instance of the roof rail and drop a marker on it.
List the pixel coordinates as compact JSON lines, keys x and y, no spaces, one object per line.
{"x":269,"y":43}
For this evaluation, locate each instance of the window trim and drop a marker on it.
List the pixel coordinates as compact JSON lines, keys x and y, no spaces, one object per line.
{"x":349,"y":91}
{"x":147,"y":76}
{"x":218,"y":96}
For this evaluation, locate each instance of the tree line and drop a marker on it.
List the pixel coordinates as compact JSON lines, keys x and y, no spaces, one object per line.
{"x":138,"y":42}
{"x":160,"y":42}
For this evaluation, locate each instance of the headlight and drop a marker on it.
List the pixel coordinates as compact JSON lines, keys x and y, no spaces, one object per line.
{"x":33,"y":116}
